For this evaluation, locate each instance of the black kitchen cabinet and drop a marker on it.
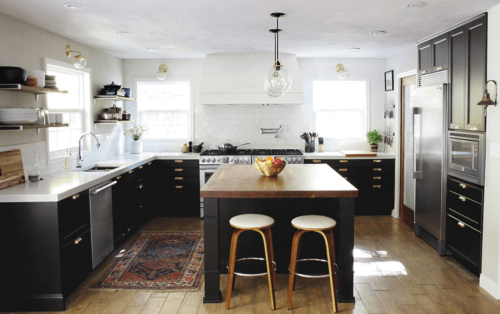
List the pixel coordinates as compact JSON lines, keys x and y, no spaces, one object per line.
{"x":425,"y":58}
{"x":440,"y":52}
{"x":464,"y":223}
{"x":458,"y":78}
{"x":374,"y":178}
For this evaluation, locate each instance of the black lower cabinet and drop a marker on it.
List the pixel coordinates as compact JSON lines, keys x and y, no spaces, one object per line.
{"x":374,"y":178}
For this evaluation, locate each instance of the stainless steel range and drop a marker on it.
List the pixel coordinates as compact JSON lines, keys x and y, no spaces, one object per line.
{"x":210,"y":160}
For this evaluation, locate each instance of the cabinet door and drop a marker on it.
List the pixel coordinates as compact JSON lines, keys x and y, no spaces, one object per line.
{"x":440,"y":52}
{"x":458,"y":77}
{"x":476,"y":32}
{"x":74,"y":216}
{"x":425,"y":58}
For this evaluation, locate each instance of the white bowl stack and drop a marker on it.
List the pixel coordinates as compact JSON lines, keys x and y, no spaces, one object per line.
{"x":39,"y":75}
{"x":18,"y":116}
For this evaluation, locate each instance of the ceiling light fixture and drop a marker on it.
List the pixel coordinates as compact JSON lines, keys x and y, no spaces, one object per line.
{"x":151,"y":50}
{"x":341,"y":71}
{"x":377,"y":33}
{"x":74,"y":6}
{"x":416,"y":5}
{"x":79,"y":61}
{"x":162,"y":72}
{"x":277,"y":80}
{"x":123,"y":33}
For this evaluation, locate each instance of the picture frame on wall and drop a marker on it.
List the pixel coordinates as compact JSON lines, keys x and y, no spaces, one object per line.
{"x":389,"y":80}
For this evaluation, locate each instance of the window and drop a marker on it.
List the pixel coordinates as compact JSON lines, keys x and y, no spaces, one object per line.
{"x":165,"y":108}
{"x":340,"y":109}
{"x":75,"y":106}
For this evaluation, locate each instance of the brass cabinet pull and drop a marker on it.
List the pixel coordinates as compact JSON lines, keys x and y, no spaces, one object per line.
{"x":179,"y":170}
{"x":461,"y":224}
{"x":463,"y":199}
{"x":344,"y":161}
{"x":179,"y":178}
{"x":141,"y":186}
{"x":377,"y":178}
{"x":316,"y":160}
{"x":179,"y":161}
{"x":149,"y":163}
{"x":463,"y":186}
{"x":76,"y":196}
{"x":423,"y":72}
{"x":377,"y":160}
{"x":140,"y":206}
{"x":131,"y":171}
{"x":377,"y":186}
{"x":77,"y":241}
{"x":345,"y":178}
{"x":178,"y":186}
{"x":343,"y":169}
{"x":118,"y":178}
{"x":377,"y":169}
{"x":140,"y":167}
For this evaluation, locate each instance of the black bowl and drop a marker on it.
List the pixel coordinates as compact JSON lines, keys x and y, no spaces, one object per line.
{"x":112,"y":86}
{"x":12,"y":75}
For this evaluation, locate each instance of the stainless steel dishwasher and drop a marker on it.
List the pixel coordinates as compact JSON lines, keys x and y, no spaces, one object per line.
{"x":101,"y":221}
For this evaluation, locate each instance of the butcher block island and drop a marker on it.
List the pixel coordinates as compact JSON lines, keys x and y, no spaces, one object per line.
{"x":298,"y":190}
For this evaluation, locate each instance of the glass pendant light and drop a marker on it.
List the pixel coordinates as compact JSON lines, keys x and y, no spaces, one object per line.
{"x":162,"y":72}
{"x":277,"y":80}
{"x":79,"y":61}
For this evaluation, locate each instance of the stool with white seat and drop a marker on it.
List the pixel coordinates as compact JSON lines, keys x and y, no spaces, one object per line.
{"x":261,"y":224}
{"x":324,"y":226}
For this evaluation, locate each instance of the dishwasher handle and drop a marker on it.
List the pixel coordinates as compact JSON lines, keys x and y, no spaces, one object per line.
{"x":94,"y":192}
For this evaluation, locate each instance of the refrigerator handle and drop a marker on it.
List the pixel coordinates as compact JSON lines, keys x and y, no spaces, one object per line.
{"x":417,"y":153}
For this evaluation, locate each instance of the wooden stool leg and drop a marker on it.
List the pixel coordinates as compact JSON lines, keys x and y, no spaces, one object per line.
{"x":293,"y":265}
{"x":230,"y":271}
{"x":298,"y":255}
{"x":270,"y":267}
{"x":271,"y":253}
{"x":330,"y":252}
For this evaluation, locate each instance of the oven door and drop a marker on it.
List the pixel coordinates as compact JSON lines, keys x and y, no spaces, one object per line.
{"x":206,"y":172}
{"x":463,"y":156}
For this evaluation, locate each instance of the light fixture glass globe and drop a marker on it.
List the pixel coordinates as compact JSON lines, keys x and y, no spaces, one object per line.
{"x":161,"y":76}
{"x":79,"y":62}
{"x":342,"y":75}
{"x":277,"y":82}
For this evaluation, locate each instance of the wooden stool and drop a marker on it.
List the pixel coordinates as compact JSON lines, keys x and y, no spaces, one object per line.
{"x":261,"y":224}
{"x":317,"y":224}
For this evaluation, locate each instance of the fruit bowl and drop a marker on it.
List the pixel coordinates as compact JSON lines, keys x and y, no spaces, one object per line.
{"x":269,"y":168}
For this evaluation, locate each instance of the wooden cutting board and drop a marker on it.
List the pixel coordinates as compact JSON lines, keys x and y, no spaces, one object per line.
{"x":11,"y":169}
{"x":358,"y":153}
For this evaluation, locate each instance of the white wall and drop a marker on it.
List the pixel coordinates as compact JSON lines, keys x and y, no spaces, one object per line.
{"x":25,"y":45}
{"x":241,"y":124}
{"x":489,"y":279}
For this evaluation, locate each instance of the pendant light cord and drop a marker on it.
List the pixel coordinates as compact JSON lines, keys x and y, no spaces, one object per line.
{"x":277,"y":40}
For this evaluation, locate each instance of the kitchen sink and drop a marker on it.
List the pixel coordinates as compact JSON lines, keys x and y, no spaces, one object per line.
{"x":97,"y":168}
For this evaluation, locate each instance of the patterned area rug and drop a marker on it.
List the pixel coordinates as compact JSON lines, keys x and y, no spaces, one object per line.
{"x":158,"y":261}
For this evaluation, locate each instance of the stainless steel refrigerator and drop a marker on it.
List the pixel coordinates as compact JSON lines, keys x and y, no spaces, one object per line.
{"x":430,"y":125}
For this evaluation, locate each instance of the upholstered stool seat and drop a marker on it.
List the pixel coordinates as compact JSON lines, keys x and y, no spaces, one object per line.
{"x":251,"y":221}
{"x":314,"y":222}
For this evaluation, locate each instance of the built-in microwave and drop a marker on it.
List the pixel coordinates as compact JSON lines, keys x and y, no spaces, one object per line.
{"x":467,"y":155}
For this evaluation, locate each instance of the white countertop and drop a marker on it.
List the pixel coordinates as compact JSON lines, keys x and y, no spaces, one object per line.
{"x":337,"y":155}
{"x":57,"y":186}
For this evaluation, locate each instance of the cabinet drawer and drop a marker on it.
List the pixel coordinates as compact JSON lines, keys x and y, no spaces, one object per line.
{"x":76,"y":261}
{"x":465,"y":208}
{"x":368,"y":172}
{"x":179,"y":163}
{"x":466,"y":189}
{"x":74,"y":216}
{"x":180,"y":180}
{"x":350,"y":163}
{"x":376,"y":194}
{"x":463,"y":239}
{"x":358,"y":180}
{"x":181,"y":187}
{"x":180,"y":172}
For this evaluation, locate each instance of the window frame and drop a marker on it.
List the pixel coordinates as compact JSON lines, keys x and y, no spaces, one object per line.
{"x":87,"y":110}
{"x":191,"y":109}
{"x":367,"y":107}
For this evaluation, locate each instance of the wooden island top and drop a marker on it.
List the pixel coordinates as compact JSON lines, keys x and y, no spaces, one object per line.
{"x":296,"y":181}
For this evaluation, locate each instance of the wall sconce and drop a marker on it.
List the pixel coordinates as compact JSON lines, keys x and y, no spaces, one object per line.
{"x":486,"y":101}
{"x":162,"y":72}
{"x":341,"y":71}
{"x":79,"y":61}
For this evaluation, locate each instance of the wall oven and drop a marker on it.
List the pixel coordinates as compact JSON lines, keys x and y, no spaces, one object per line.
{"x":206,"y":172}
{"x":467,"y":155}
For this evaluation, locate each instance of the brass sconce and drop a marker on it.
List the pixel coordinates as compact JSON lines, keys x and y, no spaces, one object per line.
{"x":341,"y":71}
{"x":79,"y":61}
{"x":486,"y":101}
{"x":162,"y":72}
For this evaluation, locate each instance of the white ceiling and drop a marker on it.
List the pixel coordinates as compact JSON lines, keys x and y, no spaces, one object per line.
{"x":311,"y":28}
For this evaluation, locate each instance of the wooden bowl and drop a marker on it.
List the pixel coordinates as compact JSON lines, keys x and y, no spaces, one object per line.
{"x":268,"y":168}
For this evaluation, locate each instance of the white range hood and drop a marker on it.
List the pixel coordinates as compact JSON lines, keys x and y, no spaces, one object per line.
{"x":238,"y":79}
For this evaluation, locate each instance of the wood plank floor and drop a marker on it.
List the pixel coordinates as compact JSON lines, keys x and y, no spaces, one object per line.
{"x":395,"y":273}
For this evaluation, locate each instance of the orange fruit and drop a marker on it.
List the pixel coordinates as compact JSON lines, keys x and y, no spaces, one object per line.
{"x":269,"y":158}
{"x":279,"y":158}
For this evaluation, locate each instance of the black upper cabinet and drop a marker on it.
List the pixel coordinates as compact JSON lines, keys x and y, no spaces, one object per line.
{"x":458,"y":77}
{"x":440,"y":52}
{"x":425,"y":58}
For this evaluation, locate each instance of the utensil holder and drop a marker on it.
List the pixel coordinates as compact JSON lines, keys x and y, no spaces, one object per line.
{"x":310,"y":147}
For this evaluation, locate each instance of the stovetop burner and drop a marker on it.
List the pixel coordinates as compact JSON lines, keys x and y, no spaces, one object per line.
{"x":213,"y":152}
{"x":277,"y":152}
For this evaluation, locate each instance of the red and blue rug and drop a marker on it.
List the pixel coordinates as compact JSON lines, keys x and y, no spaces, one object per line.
{"x":158,"y":261}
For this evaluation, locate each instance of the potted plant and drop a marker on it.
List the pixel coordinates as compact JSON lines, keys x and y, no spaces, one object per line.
{"x":136,"y":132}
{"x":373,"y":139}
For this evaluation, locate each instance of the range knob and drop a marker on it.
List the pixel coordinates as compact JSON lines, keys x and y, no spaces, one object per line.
{"x":293,"y":159}
{"x":241,"y":160}
{"x":236,"y":160}
{"x":289,"y":160}
{"x":218,"y":159}
{"x":246,"y":160}
{"x":203,"y":160}
{"x":231,"y":160}
{"x":213,"y":159}
{"x":300,"y":159}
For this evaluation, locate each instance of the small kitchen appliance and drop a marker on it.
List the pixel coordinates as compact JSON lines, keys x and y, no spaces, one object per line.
{"x":467,"y":155}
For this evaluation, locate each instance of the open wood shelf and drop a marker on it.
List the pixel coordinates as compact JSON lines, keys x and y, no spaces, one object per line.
{"x":30,"y":89}
{"x":16,"y":127}
{"x":103,"y":97}
{"x":113,"y":121}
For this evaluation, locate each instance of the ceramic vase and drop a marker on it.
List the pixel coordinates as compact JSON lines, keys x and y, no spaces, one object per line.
{"x":136,"y":147}
{"x":374,"y":147}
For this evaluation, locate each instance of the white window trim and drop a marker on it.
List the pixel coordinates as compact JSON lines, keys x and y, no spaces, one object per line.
{"x":87,"y":120}
{"x":335,"y":78}
{"x":191,"y":108}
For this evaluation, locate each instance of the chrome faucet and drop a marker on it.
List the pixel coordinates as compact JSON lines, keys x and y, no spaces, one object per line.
{"x":79,"y":159}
